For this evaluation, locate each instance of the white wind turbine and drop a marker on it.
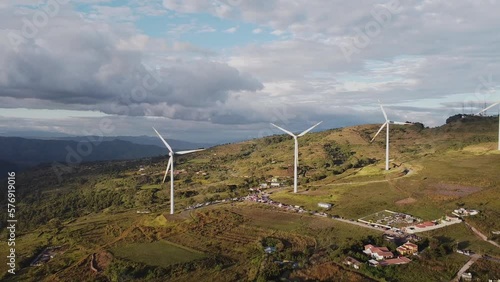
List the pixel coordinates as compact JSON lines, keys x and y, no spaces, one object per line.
{"x":487,"y":108}
{"x":296,"y":161}
{"x":387,"y":122}
{"x":170,"y":166}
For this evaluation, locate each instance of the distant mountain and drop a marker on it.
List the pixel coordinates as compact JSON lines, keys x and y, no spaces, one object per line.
{"x":32,"y":134}
{"x":143,"y":140}
{"x":19,"y":153}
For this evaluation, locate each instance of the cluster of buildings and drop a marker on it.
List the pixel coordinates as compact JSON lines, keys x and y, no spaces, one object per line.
{"x":465,"y":252}
{"x":199,"y":205}
{"x":382,"y":256}
{"x":464,"y":212}
{"x":264,"y":199}
{"x":272,"y":183}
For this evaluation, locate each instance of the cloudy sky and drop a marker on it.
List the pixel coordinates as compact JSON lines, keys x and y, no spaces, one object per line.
{"x":221,"y":70}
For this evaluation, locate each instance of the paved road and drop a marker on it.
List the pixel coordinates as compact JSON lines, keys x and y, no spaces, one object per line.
{"x":482,"y":236}
{"x":359,"y":224}
{"x":464,"y":268}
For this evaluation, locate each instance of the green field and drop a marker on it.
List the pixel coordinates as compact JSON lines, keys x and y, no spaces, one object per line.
{"x":151,"y":186}
{"x":159,"y":253}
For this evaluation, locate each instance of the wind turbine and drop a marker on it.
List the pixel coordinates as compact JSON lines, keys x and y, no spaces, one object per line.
{"x":487,"y":108}
{"x":296,"y":160}
{"x":387,"y":122}
{"x":170,"y":166}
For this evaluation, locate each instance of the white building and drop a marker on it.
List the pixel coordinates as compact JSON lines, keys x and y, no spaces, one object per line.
{"x":325,"y":205}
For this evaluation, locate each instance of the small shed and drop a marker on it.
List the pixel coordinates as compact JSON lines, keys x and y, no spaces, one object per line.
{"x":325,"y":205}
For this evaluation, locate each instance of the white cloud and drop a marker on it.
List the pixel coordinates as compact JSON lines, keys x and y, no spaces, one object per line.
{"x":206,"y":28}
{"x":231,"y":29}
{"x":257,"y":31}
{"x":278,"y":32}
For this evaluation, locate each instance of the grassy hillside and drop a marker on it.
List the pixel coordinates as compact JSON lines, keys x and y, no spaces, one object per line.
{"x":93,"y":209}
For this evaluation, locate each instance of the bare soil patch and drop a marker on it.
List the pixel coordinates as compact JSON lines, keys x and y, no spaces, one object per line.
{"x":103,"y":259}
{"x":454,"y":190}
{"x":406,"y":201}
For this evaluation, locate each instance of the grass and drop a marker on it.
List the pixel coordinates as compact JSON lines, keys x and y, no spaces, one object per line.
{"x":326,"y":230}
{"x":485,"y":270}
{"x":159,"y":253}
{"x":443,"y":269}
{"x":199,"y":161}
{"x":151,"y":186}
{"x":462,"y":235}
{"x":271,"y":219}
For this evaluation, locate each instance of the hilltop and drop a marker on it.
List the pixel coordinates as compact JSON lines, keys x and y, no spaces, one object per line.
{"x":433,"y":171}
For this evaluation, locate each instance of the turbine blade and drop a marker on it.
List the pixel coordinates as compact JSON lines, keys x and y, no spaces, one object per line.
{"x":166,"y":171}
{"x":163,"y":140}
{"x":383,"y":111}
{"x":187,"y":152}
{"x":382,"y":127}
{"x":284,"y":130}
{"x":309,"y":129}
{"x":489,"y":107}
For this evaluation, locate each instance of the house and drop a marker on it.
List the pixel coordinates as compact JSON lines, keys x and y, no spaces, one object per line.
{"x":275,"y":184}
{"x":464,"y":212}
{"x":378,"y":253}
{"x":269,"y":250}
{"x":407,"y":248}
{"x":325,"y":205}
{"x":263,"y":185}
{"x":373,"y":263}
{"x":425,"y":224}
{"x":467,"y":276}
{"x":352,"y":262}
{"x":395,"y":261}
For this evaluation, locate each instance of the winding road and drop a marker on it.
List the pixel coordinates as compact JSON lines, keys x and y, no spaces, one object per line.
{"x":464,"y":268}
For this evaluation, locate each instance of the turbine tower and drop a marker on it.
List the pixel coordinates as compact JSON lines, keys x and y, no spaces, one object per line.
{"x":296,"y":160}
{"x":170,"y":166}
{"x":387,"y":122}
{"x":487,"y":108}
